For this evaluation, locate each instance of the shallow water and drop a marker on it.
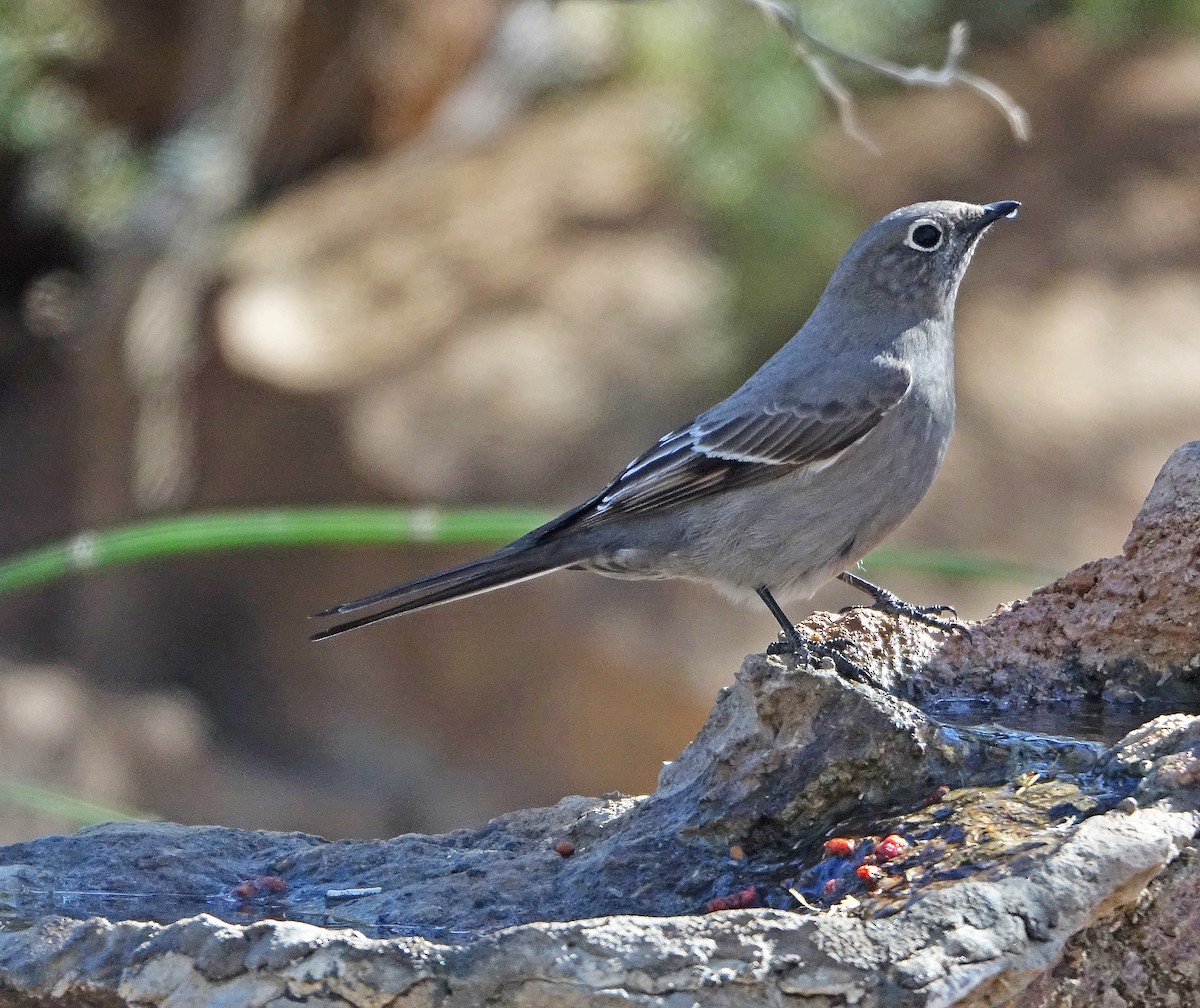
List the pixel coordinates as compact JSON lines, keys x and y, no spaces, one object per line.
{"x":1074,"y":731}
{"x":1091,"y":720}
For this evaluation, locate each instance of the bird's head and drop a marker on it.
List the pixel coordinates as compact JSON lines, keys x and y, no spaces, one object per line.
{"x":914,"y":259}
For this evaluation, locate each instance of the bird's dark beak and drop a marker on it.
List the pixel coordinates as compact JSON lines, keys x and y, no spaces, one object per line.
{"x":992,"y":212}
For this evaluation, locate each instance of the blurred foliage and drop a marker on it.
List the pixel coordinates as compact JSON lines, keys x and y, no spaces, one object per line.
{"x":79,"y":171}
{"x":740,"y":160}
{"x":1001,"y":22}
{"x":1118,"y":20}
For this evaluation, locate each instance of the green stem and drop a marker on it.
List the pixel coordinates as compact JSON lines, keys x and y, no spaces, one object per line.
{"x":948,"y":564}
{"x":366,"y":526}
{"x":74,"y":810}
{"x":275,"y":527}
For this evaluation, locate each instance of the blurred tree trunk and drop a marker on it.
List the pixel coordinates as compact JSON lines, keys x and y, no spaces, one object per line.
{"x":238,"y":97}
{"x":115,"y":628}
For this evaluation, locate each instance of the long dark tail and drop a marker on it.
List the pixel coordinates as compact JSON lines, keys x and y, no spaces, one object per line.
{"x":506,"y":566}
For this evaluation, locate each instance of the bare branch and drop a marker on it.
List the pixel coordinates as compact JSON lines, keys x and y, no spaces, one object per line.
{"x":806,"y":45}
{"x":786,"y":20}
{"x":840,"y":96}
{"x":950,"y":74}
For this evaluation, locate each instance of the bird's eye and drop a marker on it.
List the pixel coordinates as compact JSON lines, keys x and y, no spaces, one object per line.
{"x":924,"y":235}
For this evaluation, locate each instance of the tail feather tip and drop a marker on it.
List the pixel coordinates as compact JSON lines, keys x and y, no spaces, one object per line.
{"x":333,"y":631}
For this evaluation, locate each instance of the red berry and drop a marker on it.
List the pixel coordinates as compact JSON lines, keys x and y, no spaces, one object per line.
{"x":734,"y":901}
{"x":891,"y":847}
{"x":564,"y":848}
{"x":253,"y":888}
{"x":870,"y":874}
{"x":839,"y":847}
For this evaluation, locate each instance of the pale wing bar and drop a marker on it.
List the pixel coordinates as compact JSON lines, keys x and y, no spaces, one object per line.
{"x":695,"y":461}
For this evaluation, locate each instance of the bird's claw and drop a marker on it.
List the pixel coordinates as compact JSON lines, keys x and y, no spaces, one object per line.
{"x":810,"y":652}
{"x":933,"y":610}
{"x":927,"y":615}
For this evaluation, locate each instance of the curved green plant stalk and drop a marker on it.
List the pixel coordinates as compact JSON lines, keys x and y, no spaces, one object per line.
{"x":368,"y":526}
{"x":949,"y":564}
{"x":263,"y":528}
{"x":76,"y":811}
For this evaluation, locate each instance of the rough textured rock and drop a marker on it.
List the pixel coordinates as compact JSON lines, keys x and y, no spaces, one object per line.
{"x":979,"y":940}
{"x":970,"y":866}
{"x":1145,"y":956}
{"x":1126,"y":627}
{"x":764,"y":774}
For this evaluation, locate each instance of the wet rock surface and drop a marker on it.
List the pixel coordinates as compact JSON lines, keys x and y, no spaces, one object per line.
{"x":992,"y":882}
{"x":820,"y":839}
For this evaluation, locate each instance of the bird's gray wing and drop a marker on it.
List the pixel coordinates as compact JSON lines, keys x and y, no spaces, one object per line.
{"x":721,"y":451}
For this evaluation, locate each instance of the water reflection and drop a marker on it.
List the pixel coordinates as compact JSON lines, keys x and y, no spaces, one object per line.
{"x":1089,"y":720}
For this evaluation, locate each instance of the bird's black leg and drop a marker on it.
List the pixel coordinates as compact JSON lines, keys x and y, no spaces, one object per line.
{"x":889,"y":602}
{"x":790,"y":633}
{"x":806,"y":650}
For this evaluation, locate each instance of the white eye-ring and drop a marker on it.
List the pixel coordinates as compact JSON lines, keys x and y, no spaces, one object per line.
{"x":924,"y":235}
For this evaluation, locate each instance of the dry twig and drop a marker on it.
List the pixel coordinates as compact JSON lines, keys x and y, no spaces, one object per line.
{"x":811,"y":50}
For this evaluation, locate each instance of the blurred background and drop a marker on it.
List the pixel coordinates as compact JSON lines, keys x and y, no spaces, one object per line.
{"x":471,"y":252}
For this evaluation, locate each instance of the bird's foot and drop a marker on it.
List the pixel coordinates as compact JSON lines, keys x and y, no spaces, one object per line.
{"x":929,"y":615}
{"x":817,"y":653}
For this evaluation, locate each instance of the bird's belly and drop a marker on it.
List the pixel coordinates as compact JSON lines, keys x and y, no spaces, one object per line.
{"x":790,"y":534}
{"x":797,"y":532}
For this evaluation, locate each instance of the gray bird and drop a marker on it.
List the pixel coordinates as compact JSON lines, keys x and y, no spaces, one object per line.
{"x":797,"y":475}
